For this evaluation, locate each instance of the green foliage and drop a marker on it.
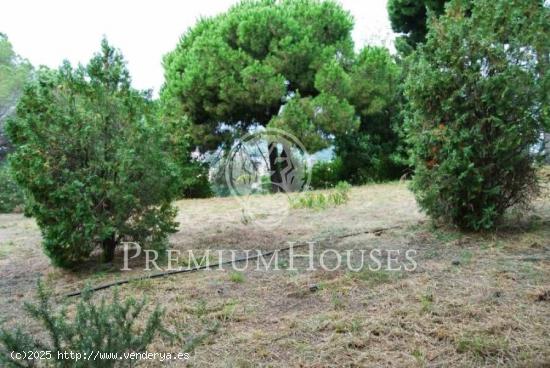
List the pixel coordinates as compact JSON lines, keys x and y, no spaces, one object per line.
{"x":14,"y":72}
{"x":411,"y":17}
{"x":376,"y":277}
{"x":289,"y":65}
{"x":326,"y":174}
{"x":239,"y":67}
{"x":322,"y":200}
{"x":195,"y":180}
{"x":194,"y":173}
{"x":478,"y":100}
{"x":91,"y":154}
{"x":109,"y":326}
{"x":482,"y":344}
{"x":11,"y":196}
{"x":371,"y":153}
{"x":340,"y":194}
{"x":264,"y":62}
{"x":237,"y":277}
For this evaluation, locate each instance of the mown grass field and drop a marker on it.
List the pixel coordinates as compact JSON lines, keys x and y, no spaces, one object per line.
{"x":474,"y":299}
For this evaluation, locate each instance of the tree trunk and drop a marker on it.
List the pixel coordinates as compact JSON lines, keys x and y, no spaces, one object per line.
{"x":274,"y":169}
{"x":287,"y":170}
{"x":109,"y":246}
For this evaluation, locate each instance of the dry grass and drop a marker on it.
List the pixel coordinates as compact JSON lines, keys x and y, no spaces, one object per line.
{"x":475,"y":299}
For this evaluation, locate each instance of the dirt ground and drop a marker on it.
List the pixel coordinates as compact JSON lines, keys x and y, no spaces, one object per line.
{"x":474,"y":300}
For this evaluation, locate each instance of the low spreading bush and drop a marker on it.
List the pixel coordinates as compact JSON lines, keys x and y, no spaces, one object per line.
{"x":107,"y":327}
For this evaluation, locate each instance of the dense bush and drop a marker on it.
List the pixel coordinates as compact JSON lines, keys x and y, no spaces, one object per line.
{"x":11,"y":196}
{"x":195,"y":180}
{"x":91,"y":154}
{"x":369,"y":157}
{"x":326,"y":174}
{"x":110,"y":326}
{"x":370,"y":154}
{"x":194,"y":172}
{"x":477,"y":97}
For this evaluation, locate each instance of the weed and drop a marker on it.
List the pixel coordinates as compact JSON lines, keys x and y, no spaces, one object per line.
{"x":227,"y":312}
{"x":482,"y":345}
{"x":201,"y":308}
{"x":142,"y":284}
{"x":282,"y":264}
{"x":319,"y":200}
{"x":376,"y":277}
{"x":446,"y":236}
{"x":356,"y":326}
{"x":337,"y":302}
{"x":236,"y":277}
{"x":466,"y":257}
{"x":427,"y":301}
{"x":419,"y":356}
{"x":6,"y":249}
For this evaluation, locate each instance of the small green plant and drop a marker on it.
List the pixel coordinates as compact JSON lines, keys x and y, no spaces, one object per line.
{"x":375,"y":277}
{"x":356,"y":325}
{"x":482,"y":345}
{"x":106,"y":327}
{"x":337,"y":302}
{"x":221,"y":312}
{"x":143,"y":284}
{"x":227,"y":312}
{"x":321,"y":200}
{"x":6,"y":249}
{"x":200,"y":309}
{"x":419,"y":356}
{"x":340,"y":195}
{"x":466,"y":257}
{"x":236,"y":277}
{"x":282,"y":264}
{"x":427,"y":301}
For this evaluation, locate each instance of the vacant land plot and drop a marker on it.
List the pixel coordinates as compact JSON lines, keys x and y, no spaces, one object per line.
{"x":473,"y":300}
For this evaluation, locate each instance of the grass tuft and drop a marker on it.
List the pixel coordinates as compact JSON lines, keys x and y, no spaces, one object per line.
{"x":482,"y":345}
{"x":237,"y":277}
{"x":321,"y":200}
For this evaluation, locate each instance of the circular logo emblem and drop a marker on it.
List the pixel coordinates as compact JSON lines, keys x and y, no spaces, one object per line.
{"x":267,"y":161}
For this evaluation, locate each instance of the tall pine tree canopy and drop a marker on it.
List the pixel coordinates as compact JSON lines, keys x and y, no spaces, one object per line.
{"x":265,"y":62}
